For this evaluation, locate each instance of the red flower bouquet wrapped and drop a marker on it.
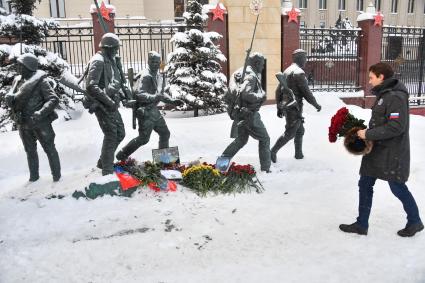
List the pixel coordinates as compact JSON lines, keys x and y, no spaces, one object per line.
{"x":344,"y":124}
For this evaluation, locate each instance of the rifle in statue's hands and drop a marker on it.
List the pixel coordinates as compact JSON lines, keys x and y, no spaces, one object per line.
{"x":235,"y":108}
{"x":135,"y":106}
{"x":128,"y":95}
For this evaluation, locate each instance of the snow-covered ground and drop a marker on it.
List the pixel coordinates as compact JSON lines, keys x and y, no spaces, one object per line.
{"x":289,"y":233}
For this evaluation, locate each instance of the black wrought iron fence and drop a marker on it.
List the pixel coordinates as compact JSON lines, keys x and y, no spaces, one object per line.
{"x":404,"y":49}
{"x":138,"y":40}
{"x":73,"y":44}
{"x":333,"y":60}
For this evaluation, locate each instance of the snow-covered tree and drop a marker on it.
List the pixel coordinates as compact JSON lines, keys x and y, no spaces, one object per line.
{"x":31,"y":31}
{"x":23,"y":6}
{"x":193,"y":70}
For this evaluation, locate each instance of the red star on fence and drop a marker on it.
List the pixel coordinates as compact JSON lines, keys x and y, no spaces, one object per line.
{"x":378,"y":19}
{"x":218,"y":13}
{"x":293,"y":15}
{"x":105,"y":11}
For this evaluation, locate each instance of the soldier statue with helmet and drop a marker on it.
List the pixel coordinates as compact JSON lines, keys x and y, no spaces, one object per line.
{"x":32,"y":101}
{"x":104,"y":84}
{"x":148,"y":92}
{"x":294,"y":82}
{"x":247,"y":119}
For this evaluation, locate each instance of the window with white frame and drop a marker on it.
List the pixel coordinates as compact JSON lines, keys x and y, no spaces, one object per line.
{"x":322,"y":4}
{"x":341,"y":5}
{"x":57,"y":8}
{"x":394,"y":6}
{"x":302,"y":4}
{"x":410,"y":6}
{"x":378,"y":5}
{"x":359,"y":5}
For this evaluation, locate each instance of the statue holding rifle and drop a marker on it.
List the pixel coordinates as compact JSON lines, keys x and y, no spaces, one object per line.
{"x":104,"y":91}
{"x":244,"y":100}
{"x":148,"y":92}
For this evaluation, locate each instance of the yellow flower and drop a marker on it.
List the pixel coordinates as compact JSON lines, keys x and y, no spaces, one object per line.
{"x":201,"y":167}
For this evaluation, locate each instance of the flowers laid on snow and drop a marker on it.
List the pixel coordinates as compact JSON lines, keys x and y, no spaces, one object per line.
{"x":202,"y":178}
{"x":206,"y":178}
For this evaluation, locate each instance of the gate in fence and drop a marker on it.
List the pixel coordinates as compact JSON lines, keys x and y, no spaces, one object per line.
{"x":333,"y":60}
{"x":404,"y":49}
{"x":75,"y":44}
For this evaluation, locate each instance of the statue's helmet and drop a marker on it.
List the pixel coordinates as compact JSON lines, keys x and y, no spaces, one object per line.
{"x":299,"y":51}
{"x":30,"y":61}
{"x":109,"y":40}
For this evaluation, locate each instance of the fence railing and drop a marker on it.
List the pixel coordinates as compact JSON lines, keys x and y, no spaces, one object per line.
{"x":404,"y":49}
{"x":75,"y":44}
{"x":138,"y":40}
{"x":333,"y":60}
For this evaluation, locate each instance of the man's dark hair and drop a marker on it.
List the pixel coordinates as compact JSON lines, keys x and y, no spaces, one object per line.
{"x":382,"y":69}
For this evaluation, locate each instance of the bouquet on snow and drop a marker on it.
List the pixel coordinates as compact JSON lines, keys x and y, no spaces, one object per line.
{"x":344,"y":124}
{"x":205,"y":178}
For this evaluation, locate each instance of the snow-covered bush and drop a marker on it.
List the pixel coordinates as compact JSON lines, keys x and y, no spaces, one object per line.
{"x":193,"y":68}
{"x":26,"y":28}
{"x":55,"y":67}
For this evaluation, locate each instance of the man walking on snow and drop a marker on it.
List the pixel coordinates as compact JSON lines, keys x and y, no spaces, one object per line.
{"x":389,"y":159}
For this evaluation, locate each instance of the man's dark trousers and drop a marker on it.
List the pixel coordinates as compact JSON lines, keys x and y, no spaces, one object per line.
{"x":400,"y":190}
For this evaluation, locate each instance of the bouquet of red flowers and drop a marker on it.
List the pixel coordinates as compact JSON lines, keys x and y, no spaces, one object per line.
{"x":344,"y":124}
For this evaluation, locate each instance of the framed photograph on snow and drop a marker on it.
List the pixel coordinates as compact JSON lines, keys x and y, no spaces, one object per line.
{"x":222,"y":163}
{"x":169,"y":155}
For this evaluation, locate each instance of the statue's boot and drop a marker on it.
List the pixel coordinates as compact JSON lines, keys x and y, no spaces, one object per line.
{"x":55,"y":165}
{"x":298,"y":141}
{"x":281,"y":141}
{"x":33,"y":166}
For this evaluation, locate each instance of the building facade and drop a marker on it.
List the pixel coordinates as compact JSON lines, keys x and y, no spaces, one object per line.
{"x":324,"y":13}
{"x":318,"y":13}
{"x":151,"y":10}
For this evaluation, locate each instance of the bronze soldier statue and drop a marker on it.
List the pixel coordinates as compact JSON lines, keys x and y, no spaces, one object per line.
{"x":247,"y":120}
{"x":32,"y":101}
{"x":103,"y":84}
{"x":148,"y":92}
{"x":293,"y":78}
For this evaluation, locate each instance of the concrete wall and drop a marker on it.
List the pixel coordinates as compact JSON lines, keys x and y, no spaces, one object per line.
{"x":267,"y":38}
{"x":159,"y":9}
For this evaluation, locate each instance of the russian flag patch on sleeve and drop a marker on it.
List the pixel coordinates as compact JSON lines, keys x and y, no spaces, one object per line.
{"x":394,"y":116}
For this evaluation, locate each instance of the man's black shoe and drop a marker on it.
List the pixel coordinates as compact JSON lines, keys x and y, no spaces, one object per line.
{"x":353,"y":228}
{"x":411,"y":230}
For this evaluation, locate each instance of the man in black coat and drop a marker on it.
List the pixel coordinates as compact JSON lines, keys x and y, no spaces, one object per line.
{"x":389,"y":159}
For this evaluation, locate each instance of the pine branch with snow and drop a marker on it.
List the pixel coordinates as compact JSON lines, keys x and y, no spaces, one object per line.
{"x":23,"y":6}
{"x":193,"y":68}
{"x":50,"y":62}
{"x":25,"y":28}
